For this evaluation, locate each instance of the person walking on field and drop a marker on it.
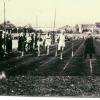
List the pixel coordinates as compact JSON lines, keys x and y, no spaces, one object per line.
{"x":48,"y":42}
{"x":21,"y":43}
{"x":8,"y":43}
{"x":39,"y":44}
{"x":32,"y":41}
{"x":1,"y":44}
{"x":28,"y":42}
{"x":89,"y":47}
{"x":61,"y":44}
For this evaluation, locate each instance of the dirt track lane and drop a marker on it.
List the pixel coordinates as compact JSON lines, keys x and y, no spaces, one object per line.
{"x":28,"y":64}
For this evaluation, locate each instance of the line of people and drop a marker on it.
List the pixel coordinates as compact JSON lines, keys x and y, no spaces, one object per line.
{"x":32,"y":42}
{"x":5,"y":43}
{"x":60,"y":45}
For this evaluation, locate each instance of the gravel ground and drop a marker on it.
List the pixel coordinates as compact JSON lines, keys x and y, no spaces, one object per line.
{"x":85,"y":86}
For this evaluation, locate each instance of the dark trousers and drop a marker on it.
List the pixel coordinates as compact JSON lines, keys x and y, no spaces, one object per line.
{"x":29,"y":46}
{"x":85,"y":55}
{"x":1,"y":52}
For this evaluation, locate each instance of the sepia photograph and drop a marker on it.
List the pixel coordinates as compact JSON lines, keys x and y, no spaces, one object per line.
{"x":50,"y":48}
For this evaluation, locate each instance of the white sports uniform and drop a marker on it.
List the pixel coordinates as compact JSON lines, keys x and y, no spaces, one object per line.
{"x":28,"y":39}
{"x":47,"y":40}
{"x":61,"y":41}
{"x":39,"y":43}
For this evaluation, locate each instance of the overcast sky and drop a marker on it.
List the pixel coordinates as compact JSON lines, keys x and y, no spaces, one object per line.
{"x":22,"y":12}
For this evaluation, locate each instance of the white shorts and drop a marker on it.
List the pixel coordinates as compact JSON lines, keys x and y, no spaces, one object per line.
{"x":48,"y":43}
{"x":61,"y":44}
{"x":40,"y":43}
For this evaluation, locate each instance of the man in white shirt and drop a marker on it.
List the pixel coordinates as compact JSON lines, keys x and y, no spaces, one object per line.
{"x":39,"y":43}
{"x":48,"y":42}
{"x":28,"y":40}
{"x":61,"y":44}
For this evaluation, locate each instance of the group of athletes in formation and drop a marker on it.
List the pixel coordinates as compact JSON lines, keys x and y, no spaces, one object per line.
{"x":31,"y":42}
{"x":34,"y":42}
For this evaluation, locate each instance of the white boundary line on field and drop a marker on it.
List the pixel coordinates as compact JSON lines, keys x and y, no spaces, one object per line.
{"x":91,"y":65}
{"x":56,"y":57}
{"x":69,"y":61}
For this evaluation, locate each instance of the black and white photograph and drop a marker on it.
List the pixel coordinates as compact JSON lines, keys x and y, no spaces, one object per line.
{"x":50,"y":48}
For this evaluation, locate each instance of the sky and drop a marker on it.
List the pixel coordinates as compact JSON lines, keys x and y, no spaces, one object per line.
{"x":41,"y":12}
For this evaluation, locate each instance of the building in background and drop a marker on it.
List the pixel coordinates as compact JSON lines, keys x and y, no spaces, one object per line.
{"x":97,"y":27}
{"x":88,"y":27}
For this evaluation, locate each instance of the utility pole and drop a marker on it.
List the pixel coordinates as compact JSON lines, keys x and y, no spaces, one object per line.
{"x":37,"y":22}
{"x":4,"y":15}
{"x":4,"y":28}
{"x":54,"y":26}
{"x":54,"y":32}
{"x":54,"y":20}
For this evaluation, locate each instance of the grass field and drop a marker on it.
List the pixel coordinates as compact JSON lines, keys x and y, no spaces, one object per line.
{"x":87,"y":86}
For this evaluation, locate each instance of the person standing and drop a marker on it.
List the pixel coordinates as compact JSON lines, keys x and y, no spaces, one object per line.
{"x":89,"y":47}
{"x":8,"y":43}
{"x":48,"y":42}
{"x":32,"y":41}
{"x":35,"y":41}
{"x":28,"y":41}
{"x":61,"y":44}
{"x":39,"y":44}
{"x":21,"y":43}
{"x":1,"y":44}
